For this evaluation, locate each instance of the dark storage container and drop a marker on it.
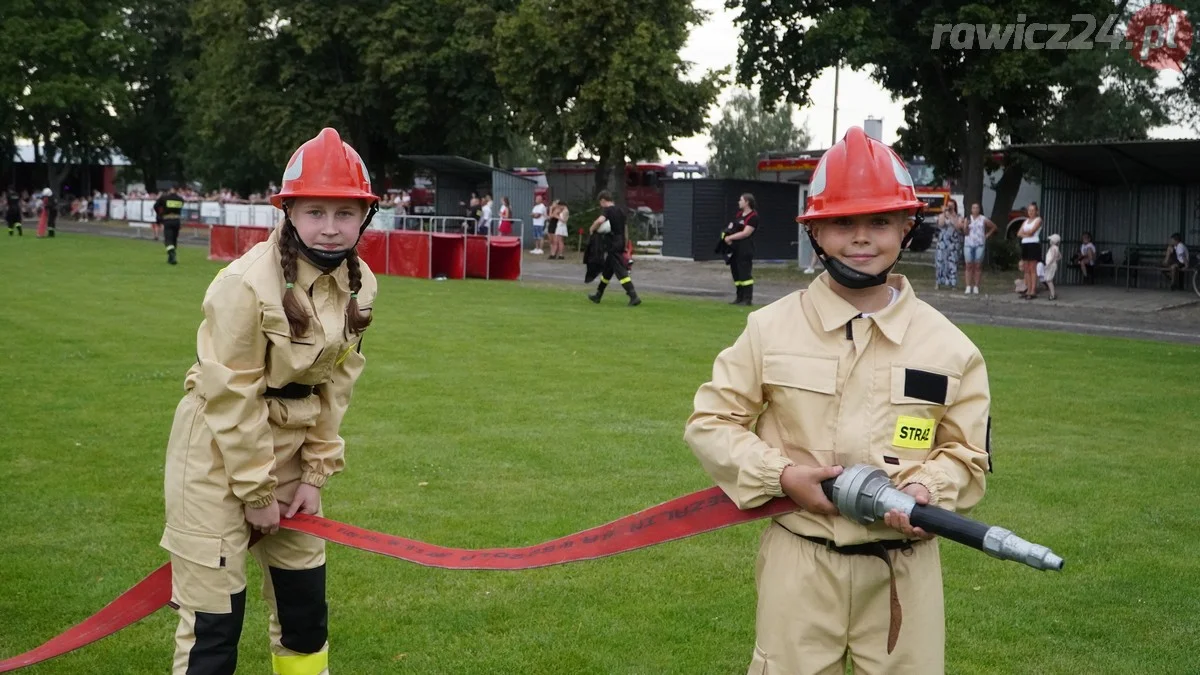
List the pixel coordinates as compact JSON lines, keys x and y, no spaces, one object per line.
{"x":695,"y":211}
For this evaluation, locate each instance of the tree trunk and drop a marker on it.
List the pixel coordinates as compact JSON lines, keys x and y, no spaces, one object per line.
{"x":618,"y":175}
{"x":976,"y":149}
{"x":149,"y":176}
{"x":602,"y":173}
{"x":1006,"y":192}
{"x":54,"y":176}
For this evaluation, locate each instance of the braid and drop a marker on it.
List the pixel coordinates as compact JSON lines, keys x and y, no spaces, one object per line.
{"x":297,"y":316}
{"x":356,"y":321}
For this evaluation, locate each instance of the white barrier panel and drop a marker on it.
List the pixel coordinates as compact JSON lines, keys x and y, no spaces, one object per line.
{"x":210,"y":210}
{"x":100,"y":207}
{"x":116,"y":209}
{"x":133,"y":210}
{"x":237,"y":214}
{"x":264,"y":215}
{"x":148,"y":215}
{"x":382,"y":219}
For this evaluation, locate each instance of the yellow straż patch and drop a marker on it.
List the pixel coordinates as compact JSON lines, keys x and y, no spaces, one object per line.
{"x":914,"y":432}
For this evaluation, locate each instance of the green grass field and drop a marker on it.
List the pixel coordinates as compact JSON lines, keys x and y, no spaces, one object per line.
{"x":492,"y":414}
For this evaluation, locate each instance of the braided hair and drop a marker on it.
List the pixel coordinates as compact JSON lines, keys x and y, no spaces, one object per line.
{"x":289,"y":247}
{"x":356,"y":321}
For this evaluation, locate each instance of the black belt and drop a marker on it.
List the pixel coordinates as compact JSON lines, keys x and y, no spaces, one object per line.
{"x":870,"y":548}
{"x":291,"y":390}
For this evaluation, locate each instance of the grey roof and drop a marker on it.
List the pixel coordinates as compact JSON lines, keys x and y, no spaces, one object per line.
{"x":1109,"y":163}
{"x":457,"y":165}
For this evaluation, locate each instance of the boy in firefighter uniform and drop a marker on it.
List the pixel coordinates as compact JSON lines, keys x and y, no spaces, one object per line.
{"x":257,"y":434}
{"x":610,"y":224}
{"x":853,"y":370}
{"x":169,"y":211}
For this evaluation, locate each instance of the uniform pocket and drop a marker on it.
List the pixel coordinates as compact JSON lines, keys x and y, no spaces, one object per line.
{"x":919,"y":396}
{"x":204,"y":574}
{"x":923,"y":385}
{"x":199,"y":548}
{"x":275,"y":323}
{"x":801,"y":390}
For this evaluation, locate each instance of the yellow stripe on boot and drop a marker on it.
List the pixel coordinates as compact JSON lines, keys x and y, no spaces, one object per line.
{"x":301,"y":664}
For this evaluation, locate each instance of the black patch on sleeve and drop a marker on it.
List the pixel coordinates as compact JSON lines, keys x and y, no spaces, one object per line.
{"x":925,"y":385}
{"x":891,"y":460}
{"x":987,"y":443}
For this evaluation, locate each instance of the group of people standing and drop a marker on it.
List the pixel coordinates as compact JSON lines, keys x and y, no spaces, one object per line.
{"x":47,"y":208}
{"x":550,"y":223}
{"x":969,"y":235}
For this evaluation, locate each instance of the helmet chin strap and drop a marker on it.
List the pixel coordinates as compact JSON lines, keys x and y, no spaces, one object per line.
{"x":329,"y":260}
{"x":847,"y":275}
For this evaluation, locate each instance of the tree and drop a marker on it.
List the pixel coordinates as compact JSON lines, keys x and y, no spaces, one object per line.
{"x":405,"y":77}
{"x":745,"y":131}
{"x":604,"y":73}
{"x":61,"y":80}
{"x":958,"y":96}
{"x":149,"y":128}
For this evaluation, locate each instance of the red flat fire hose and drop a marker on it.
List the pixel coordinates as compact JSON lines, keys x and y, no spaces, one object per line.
{"x":699,"y":512}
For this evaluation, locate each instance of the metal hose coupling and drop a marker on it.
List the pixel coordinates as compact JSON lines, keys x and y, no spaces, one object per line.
{"x":864,"y":494}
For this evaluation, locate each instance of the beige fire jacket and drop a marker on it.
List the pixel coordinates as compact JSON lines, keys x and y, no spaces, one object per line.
{"x":810,"y":382}
{"x":244,"y":346}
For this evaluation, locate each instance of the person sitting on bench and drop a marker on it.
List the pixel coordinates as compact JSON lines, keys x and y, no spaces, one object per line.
{"x":1086,"y":259}
{"x":1175,"y":260}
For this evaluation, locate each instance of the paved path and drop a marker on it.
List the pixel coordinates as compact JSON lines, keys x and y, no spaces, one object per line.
{"x":1092,"y":310}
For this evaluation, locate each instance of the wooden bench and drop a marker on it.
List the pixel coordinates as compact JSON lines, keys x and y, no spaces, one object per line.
{"x":1149,"y":258}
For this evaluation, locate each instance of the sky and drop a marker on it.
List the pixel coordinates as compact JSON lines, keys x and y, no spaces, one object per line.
{"x":714,"y":44}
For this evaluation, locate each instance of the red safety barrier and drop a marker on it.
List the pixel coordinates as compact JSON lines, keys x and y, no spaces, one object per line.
{"x":504,"y":258}
{"x":408,"y":254}
{"x":248,"y":236}
{"x":699,"y":512}
{"x":448,"y":256}
{"x":477,"y":256}
{"x":373,"y":250}
{"x":222,"y":243}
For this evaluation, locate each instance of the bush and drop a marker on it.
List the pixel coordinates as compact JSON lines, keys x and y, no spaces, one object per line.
{"x":1004,"y":254}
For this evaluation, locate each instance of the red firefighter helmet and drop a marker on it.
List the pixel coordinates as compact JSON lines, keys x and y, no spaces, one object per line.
{"x":859,"y":175}
{"x":325,"y":167}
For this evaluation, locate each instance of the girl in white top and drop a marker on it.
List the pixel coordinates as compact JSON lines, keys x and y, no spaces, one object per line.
{"x":977,"y":230}
{"x":1031,"y":249}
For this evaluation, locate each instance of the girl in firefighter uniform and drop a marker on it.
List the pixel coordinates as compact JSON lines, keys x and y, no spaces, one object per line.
{"x":256,"y":436}
{"x":738,"y":245}
{"x":853,"y":370}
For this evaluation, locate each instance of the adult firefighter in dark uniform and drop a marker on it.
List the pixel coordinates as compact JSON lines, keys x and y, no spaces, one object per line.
{"x":737,"y":245}
{"x":12,"y":213}
{"x":611,"y":227}
{"x":169,"y":211}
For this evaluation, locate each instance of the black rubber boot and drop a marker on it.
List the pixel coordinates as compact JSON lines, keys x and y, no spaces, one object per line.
{"x":596,"y":297}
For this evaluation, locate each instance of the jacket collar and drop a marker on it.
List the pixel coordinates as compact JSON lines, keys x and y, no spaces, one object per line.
{"x":834,"y":312}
